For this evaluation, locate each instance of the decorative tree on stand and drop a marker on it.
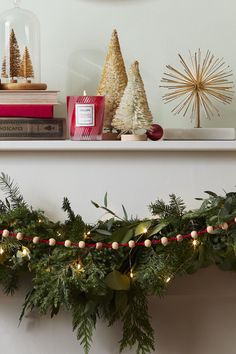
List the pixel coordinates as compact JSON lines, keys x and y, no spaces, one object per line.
{"x":4,"y":68}
{"x":14,"y":57}
{"x":198,"y":85}
{"x":113,"y":80}
{"x":133,"y":112}
{"x":26,"y":67}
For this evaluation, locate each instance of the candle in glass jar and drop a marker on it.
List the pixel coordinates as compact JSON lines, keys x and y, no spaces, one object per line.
{"x":86,"y":116}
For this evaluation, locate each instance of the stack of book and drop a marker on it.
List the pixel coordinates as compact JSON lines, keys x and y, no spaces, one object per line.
{"x":29,"y":115}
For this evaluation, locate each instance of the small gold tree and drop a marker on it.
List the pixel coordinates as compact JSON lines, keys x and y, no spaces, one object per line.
{"x":14,"y":57}
{"x":4,"y":68}
{"x":113,"y":80}
{"x":26,"y":67}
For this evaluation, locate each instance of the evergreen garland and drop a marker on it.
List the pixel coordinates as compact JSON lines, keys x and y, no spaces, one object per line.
{"x":105,"y":283}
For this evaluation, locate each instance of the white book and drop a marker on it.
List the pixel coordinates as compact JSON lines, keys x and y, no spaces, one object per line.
{"x":8,"y":97}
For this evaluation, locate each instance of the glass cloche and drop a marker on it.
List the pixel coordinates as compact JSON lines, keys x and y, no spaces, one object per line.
{"x":20,"y":50}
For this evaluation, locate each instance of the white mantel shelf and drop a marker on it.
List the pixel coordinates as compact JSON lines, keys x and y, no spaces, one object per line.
{"x":68,"y":145}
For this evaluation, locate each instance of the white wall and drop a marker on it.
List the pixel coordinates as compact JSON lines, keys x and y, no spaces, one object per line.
{"x":75,"y":35}
{"x":194,"y":318}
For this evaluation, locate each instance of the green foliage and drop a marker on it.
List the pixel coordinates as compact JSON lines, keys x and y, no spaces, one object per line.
{"x":137,"y":329}
{"x":93,"y":283}
{"x":175,"y":208}
{"x":84,"y":322}
{"x":12,"y":192}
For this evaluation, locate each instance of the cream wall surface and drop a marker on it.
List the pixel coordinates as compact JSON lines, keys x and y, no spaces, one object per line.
{"x":198,"y":315}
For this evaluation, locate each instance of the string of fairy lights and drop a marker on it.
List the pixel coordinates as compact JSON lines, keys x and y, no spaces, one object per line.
{"x":164,"y":241}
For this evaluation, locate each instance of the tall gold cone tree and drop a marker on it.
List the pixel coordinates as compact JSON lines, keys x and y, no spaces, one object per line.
{"x":113,"y":80}
{"x":26,"y":67}
{"x":4,"y":68}
{"x":133,"y":112}
{"x":14,"y":56}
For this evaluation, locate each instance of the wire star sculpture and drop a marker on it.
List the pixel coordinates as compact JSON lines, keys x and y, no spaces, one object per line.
{"x":199,"y":85}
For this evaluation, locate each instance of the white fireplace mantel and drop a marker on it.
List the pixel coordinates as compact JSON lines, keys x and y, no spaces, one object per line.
{"x":68,"y":145}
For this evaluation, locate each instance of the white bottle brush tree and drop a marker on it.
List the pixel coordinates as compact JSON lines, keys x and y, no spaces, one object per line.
{"x":133,"y":112}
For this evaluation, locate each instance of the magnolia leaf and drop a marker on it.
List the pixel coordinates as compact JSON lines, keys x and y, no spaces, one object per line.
{"x":95,"y":204}
{"x":110,"y":224}
{"x":142,"y":227}
{"x":125,"y":213}
{"x":103,"y":232}
{"x":117,"y":281}
{"x":158,"y":228}
{"x":105,"y":200}
{"x":213,"y":220}
{"x":212,"y":194}
{"x":109,"y":211}
{"x":122,"y":235}
{"x":121,"y":300}
{"x":128,"y":236}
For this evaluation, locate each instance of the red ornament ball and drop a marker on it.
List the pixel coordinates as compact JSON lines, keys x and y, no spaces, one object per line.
{"x":155,"y":132}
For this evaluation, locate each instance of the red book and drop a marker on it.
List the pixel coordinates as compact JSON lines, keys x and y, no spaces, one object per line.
{"x":31,"y":111}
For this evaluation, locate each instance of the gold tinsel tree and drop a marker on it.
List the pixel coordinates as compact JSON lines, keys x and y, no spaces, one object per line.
{"x":133,"y":112}
{"x":113,"y":80}
{"x":14,"y":56}
{"x":26,"y":67}
{"x":4,"y":68}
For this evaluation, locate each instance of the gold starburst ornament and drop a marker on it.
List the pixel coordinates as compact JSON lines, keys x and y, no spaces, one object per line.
{"x":198,"y":86}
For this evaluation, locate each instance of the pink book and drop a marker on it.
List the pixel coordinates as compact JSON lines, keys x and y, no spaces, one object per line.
{"x":31,"y":111}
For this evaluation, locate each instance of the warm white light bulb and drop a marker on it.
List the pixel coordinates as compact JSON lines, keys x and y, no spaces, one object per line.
{"x":195,"y":243}
{"x":79,"y":266}
{"x":145,"y":230}
{"x":1,"y":250}
{"x":24,"y":252}
{"x":131,"y":274}
{"x":168,"y":280}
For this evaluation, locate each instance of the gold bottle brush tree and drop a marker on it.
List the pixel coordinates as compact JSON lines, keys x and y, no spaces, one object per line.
{"x":113,"y":81}
{"x":20,"y":50}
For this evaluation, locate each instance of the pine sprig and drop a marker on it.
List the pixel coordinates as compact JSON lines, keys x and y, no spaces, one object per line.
{"x":9,"y":280}
{"x":67,"y":208}
{"x":137,"y":329}
{"x":84,"y":323}
{"x":175,"y":208}
{"x":12,"y":191}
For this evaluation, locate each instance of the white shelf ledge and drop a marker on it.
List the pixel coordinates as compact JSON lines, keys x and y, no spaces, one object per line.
{"x":68,"y":145}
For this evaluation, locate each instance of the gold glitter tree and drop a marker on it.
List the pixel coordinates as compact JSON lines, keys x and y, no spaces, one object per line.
{"x":113,"y":81}
{"x":14,"y":57}
{"x":198,"y":86}
{"x":4,"y":68}
{"x":26,"y":67}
